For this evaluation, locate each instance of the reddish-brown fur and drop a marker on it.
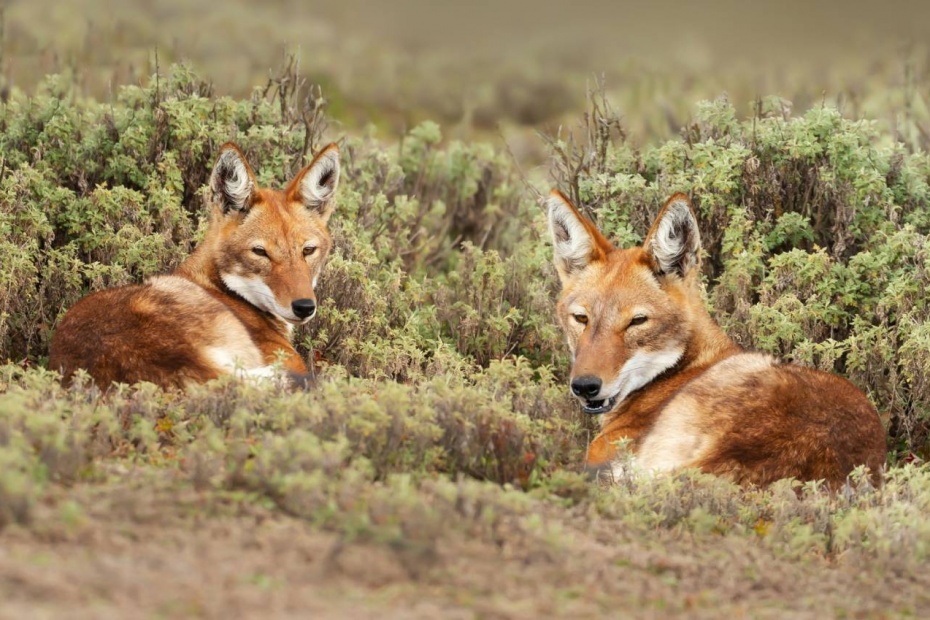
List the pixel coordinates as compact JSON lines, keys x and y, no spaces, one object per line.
{"x":199,"y":322}
{"x":705,"y":402}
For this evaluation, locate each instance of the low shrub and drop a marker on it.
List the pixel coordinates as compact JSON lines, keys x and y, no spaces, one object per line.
{"x":814,"y":232}
{"x":95,"y":195}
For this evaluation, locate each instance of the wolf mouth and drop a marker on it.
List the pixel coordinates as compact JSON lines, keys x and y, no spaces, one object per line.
{"x":596,"y":407}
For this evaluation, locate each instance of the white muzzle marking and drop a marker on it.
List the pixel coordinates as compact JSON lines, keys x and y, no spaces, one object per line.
{"x":639,"y":371}
{"x":257,"y":293}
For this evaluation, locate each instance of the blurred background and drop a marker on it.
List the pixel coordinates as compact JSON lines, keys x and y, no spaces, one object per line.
{"x":491,"y":67}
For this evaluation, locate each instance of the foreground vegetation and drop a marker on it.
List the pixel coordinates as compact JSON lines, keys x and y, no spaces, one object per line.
{"x":377,"y":485}
{"x":440,"y":439}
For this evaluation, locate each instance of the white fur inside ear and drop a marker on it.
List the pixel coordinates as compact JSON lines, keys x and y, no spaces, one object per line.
{"x":676,"y":240}
{"x":319,"y":183}
{"x":231,"y":182}
{"x":571,"y":240}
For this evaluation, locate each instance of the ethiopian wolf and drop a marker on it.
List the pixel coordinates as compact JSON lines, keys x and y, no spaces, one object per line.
{"x":669,"y":382}
{"x":229,"y":307}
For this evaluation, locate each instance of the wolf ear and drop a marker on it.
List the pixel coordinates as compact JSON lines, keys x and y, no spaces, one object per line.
{"x":232,"y":183}
{"x":577,"y":243}
{"x":673,"y":242}
{"x":315,"y":185}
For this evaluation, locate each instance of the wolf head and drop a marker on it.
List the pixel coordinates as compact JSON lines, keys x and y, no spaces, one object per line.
{"x":268,"y":245}
{"x":627,"y":314}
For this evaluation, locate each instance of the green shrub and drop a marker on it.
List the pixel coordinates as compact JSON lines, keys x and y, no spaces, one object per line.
{"x":102,"y":195}
{"x":435,"y":339}
{"x":406,"y":465}
{"x":814,"y":233}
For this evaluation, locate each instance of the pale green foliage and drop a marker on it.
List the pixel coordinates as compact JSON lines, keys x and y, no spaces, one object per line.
{"x":503,"y":424}
{"x":434,"y":283}
{"x":442,"y":372}
{"x":398,"y":464}
{"x":814,"y":233}
{"x":94,"y":196}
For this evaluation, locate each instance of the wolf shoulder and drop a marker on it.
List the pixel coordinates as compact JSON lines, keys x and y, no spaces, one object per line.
{"x":167,"y":329}
{"x":752,"y":409}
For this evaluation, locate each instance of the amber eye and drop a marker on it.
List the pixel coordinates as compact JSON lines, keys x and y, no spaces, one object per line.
{"x":259,"y":251}
{"x":581,"y":318}
{"x":639,"y":319}
{"x":309,"y":250}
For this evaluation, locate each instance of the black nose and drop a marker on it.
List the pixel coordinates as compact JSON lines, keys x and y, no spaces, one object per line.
{"x":304,"y":308}
{"x":586,"y":386}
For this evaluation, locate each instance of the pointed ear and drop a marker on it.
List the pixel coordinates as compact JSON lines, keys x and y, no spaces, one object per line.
{"x":674,"y":240}
{"x":315,"y":185}
{"x":576,"y":241}
{"x":232,"y":183}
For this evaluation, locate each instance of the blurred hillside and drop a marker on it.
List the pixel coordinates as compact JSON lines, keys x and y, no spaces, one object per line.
{"x":483,"y":65}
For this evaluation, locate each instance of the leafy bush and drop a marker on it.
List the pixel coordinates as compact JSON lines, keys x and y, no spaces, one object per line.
{"x":502,"y":424}
{"x":441,"y":407}
{"x":102,"y":195}
{"x":814,"y":231}
{"x":398,"y":464}
{"x":814,"y":234}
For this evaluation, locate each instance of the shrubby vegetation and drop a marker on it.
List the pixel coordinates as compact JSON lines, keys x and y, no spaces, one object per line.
{"x":441,"y":400}
{"x":360,"y":457}
{"x":815,"y":238}
{"x":101,"y":195}
{"x":434,"y":282}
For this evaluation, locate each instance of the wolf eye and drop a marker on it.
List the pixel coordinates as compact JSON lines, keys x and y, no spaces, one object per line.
{"x":309,"y":250}
{"x":259,"y":251}
{"x":639,"y":319}
{"x":581,"y":318}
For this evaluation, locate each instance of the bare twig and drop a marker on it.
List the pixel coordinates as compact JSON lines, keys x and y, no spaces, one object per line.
{"x":300,"y":103}
{"x":585,"y":151}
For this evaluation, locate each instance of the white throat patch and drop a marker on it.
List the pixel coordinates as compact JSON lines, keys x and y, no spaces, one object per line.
{"x":257,"y":293}
{"x":639,"y":370}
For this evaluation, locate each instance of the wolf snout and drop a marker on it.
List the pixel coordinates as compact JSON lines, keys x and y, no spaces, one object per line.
{"x":586,"y":386}
{"x":304,"y":308}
